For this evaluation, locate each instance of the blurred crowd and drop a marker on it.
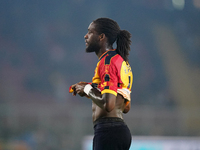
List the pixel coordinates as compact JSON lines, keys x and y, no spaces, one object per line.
{"x":42,"y":52}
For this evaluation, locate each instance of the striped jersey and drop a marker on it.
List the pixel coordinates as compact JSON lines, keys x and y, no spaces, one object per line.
{"x":113,"y":75}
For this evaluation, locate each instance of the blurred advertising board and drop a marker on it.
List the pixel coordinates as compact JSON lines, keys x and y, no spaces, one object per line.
{"x":155,"y":143}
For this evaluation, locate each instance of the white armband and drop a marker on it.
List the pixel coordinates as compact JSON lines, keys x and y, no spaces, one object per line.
{"x":87,"y":89}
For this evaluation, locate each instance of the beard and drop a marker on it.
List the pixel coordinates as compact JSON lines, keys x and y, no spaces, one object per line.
{"x":92,"y":47}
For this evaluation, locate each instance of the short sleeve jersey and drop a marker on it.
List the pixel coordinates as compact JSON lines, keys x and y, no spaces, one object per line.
{"x":113,"y":74}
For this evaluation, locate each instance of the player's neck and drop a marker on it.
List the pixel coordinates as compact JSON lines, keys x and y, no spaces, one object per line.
{"x":100,"y":52}
{"x":103,"y":50}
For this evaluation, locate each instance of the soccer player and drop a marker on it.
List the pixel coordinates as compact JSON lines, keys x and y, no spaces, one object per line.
{"x":111,"y":85}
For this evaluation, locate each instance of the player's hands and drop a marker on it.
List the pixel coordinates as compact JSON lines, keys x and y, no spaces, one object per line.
{"x":72,"y":90}
{"x":78,"y":89}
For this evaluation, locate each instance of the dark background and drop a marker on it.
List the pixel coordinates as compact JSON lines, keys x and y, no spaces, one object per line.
{"x":42,"y":52}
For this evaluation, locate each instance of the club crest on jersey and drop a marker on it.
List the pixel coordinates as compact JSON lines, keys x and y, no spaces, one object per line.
{"x":107,"y":84}
{"x":106,"y":68}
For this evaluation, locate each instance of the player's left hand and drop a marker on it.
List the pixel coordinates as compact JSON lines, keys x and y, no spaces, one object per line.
{"x":78,"y":88}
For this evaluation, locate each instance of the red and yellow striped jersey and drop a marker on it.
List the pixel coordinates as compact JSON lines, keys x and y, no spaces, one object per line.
{"x":113,"y":75}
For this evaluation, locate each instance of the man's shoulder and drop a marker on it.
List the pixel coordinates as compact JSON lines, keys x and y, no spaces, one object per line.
{"x":113,"y":57}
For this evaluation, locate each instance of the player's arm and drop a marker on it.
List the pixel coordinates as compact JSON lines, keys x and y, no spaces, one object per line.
{"x":127,"y":108}
{"x":105,"y":101}
{"x":72,"y":89}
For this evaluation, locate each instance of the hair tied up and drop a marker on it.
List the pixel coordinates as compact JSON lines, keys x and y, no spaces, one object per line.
{"x":113,"y":33}
{"x":123,"y":43}
{"x":119,"y":33}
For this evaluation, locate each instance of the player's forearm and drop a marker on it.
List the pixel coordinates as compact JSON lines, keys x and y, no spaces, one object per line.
{"x":97,"y":98}
{"x":127,"y":108}
{"x":105,"y":101}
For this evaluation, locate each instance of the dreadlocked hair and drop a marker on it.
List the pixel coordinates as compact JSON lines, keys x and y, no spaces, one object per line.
{"x":123,"y":44}
{"x":112,"y":31}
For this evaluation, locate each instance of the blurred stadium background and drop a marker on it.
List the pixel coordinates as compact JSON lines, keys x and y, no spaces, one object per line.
{"x":42,"y":52}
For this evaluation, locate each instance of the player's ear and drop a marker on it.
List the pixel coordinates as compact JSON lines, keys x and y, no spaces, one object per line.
{"x":102,"y":36}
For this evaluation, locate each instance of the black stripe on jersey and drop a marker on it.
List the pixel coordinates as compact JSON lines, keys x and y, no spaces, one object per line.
{"x":107,"y":77}
{"x":94,"y":85}
{"x":108,"y":58}
{"x":103,"y":56}
{"x":129,"y":82}
{"x":119,"y":84}
{"x":106,"y":87}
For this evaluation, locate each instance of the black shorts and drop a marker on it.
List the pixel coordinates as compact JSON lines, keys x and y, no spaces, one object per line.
{"x":111,"y":134}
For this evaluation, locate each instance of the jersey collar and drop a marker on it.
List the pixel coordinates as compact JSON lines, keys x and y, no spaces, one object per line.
{"x":104,"y":54}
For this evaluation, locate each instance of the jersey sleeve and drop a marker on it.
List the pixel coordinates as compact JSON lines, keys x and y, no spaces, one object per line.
{"x":109,"y":74}
{"x":110,"y":80}
{"x":126,"y":77}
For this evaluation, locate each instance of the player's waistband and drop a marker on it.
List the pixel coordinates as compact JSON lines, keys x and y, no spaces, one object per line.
{"x":107,"y":120}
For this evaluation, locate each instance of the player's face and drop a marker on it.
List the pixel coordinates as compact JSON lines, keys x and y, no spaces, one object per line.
{"x":92,"y":39}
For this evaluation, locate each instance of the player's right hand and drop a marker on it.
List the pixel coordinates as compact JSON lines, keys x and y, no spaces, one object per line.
{"x":72,"y":90}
